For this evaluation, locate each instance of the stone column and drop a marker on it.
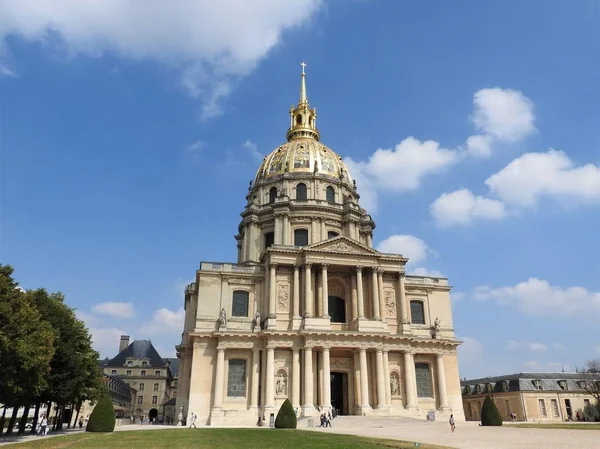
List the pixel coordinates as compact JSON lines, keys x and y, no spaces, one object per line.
{"x":370,"y":240}
{"x":278,"y":231}
{"x":386,"y":372}
{"x":254,"y":385}
{"x":354,"y":298}
{"x":410,"y":380}
{"x":323,"y":230}
{"x":272,"y":289}
{"x":309,"y":301}
{"x":219,"y":378}
{"x":295,"y":377}
{"x":325,"y":298}
{"x":270,"y":378}
{"x":326,"y":379}
{"x":441,"y":378}
{"x":296,"y":294}
{"x":402,"y":300}
{"x":286,"y":230}
{"x":318,"y":285}
{"x":359,"y":290}
{"x":382,"y":309}
{"x":381,"y":396}
{"x":314,"y":229}
{"x":375,"y":295}
{"x":364,"y":380}
{"x":308,"y":380}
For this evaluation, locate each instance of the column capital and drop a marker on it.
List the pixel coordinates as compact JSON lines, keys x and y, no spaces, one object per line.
{"x":308,"y":265}
{"x":361,"y":350}
{"x":296,"y":267}
{"x":324,"y":266}
{"x":270,"y":347}
{"x":380,"y":271}
{"x":358,"y":268}
{"x":273,"y":265}
{"x":440,"y":356}
{"x":326,"y":348}
{"x":295,"y":350}
{"x":221,"y":348}
{"x":308,"y":347}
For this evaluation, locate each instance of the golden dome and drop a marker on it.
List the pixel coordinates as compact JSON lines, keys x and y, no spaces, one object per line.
{"x":303,"y":155}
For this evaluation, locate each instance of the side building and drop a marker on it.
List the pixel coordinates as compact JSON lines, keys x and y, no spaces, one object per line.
{"x":141,"y":366}
{"x":536,"y":397}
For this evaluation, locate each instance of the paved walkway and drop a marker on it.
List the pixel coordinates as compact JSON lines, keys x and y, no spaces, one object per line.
{"x":468,"y":435}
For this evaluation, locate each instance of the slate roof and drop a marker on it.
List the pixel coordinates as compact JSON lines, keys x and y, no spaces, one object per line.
{"x":173,"y":365}
{"x":524,"y":382}
{"x":139,"y":349}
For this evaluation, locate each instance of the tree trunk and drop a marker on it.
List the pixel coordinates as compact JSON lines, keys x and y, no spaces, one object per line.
{"x":56,"y":418}
{"x":36,"y":416}
{"x":23,"y":420}
{"x":62,"y":416}
{"x":77,"y":415}
{"x":2,"y":420}
{"x":13,"y":419}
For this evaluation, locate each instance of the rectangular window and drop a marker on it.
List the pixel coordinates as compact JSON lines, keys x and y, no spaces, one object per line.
{"x":301,"y":237}
{"x":239,"y":303}
{"x":128,"y":372}
{"x":140,"y":399}
{"x":157,"y":373}
{"x":154,"y":400}
{"x":143,"y":373}
{"x":542,"y":404}
{"x":155,"y":387}
{"x":417,"y":313}
{"x":555,"y":408}
{"x":423,"y":380}
{"x":236,"y":381}
{"x":141,"y":387}
{"x":113,"y":372}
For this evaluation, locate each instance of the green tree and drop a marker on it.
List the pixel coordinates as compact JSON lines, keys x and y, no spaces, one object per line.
{"x":591,"y":375}
{"x":102,"y":418}
{"x":26,"y":345}
{"x":490,"y":416}
{"x":286,"y":418}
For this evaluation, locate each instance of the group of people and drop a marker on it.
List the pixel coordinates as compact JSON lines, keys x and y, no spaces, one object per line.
{"x":43,"y":425}
{"x":327,"y":417}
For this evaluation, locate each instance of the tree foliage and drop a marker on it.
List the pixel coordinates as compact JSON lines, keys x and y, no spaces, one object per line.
{"x":591,"y":375}
{"x":102,"y":418}
{"x":490,"y":415}
{"x":286,"y":417}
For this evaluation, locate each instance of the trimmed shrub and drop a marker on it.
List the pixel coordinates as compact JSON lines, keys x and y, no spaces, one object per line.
{"x":490,"y":416}
{"x":102,"y":418}
{"x":286,"y":418}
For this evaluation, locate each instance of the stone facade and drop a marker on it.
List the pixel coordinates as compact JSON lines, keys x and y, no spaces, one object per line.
{"x":310,"y":311}
{"x":535,"y":397}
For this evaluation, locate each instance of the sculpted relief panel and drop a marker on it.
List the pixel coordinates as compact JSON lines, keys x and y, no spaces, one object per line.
{"x":283,"y":298}
{"x":390,"y":303}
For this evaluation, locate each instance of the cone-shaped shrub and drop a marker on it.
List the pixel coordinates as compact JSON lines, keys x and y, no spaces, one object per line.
{"x":102,"y":418}
{"x":490,"y":416}
{"x":286,"y":418}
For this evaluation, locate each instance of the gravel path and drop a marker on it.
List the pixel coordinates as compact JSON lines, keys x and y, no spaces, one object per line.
{"x":468,"y":435}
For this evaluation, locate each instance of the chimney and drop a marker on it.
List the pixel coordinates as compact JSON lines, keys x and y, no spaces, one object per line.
{"x":123,"y":343}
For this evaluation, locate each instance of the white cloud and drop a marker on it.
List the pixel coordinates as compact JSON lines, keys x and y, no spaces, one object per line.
{"x":209,"y":45}
{"x":461,"y":207}
{"x":408,"y":245}
{"x":537,"y":347}
{"x":558,"y":346}
{"x":421,"y":271}
{"x":195,"y":150}
{"x":538,"y":297}
{"x":513,"y":344}
{"x":479,"y":145}
{"x":504,"y":114}
{"x":6,"y":71}
{"x":105,"y":339}
{"x":115,"y":309}
{"x":533,"y":364}
{"x":365,"y":185}
{"x":253,"y":149}
{"x":165,"y":322}
{"x":533,"y":175}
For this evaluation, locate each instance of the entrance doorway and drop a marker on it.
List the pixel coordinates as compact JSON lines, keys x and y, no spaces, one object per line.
{"x":339,"y":392}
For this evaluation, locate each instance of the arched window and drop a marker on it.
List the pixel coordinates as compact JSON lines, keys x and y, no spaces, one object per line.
{"x":301,"y":237}
{"x":301,"y":191}
{"x":417,"y":313}
{"x":423,"y":380}
{"x":236,"y":380}
{"x":269,"y":239}
{"x":272,"y":195}
{"x":331,"y":234}
{"x":330,"y":194}
{"x":299,"y":119}
{"x":239,"y":304}
{"x":337,"y":309}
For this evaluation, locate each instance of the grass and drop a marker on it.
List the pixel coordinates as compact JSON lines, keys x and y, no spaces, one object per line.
{"x":214,"y":439}
{"x":571,"y":426}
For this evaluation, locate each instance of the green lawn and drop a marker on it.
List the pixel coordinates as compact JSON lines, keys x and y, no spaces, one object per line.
{"x":572,"y":426}
{"x":214,"y":439}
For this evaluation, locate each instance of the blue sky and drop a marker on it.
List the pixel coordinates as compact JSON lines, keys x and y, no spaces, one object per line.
{"x":129,"y":134}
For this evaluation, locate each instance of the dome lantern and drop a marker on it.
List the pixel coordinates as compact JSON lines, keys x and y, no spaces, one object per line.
{"x":303,"y":119}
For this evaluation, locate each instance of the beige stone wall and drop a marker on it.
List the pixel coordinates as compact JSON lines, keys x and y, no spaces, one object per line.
{"x":201,"y":381}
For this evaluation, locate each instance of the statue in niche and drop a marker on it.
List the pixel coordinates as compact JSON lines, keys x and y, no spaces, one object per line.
{"x":436,"y":327}
{"x":223,"y":318}
{"x":256,"y":321}
{"x":394,"y":385}
{"x":280,"y":387}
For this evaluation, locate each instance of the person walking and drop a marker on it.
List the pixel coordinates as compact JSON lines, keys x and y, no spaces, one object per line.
{"x":43,"y":426}
{"x":452,"y":423}
{"x":192,"y":420}
{"x":80,"y":422}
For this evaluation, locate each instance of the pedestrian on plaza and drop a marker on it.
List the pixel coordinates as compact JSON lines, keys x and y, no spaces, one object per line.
{"x":452,"y":423}
{"x":192,"y":420}
{"x":80,"y":422}
{"x":43,"y":426}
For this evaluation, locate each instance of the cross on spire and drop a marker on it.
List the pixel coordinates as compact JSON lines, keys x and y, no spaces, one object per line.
{"x":303,"y":64}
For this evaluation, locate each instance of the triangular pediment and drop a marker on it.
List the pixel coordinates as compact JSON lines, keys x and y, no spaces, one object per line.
{"x":341,"y":244}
